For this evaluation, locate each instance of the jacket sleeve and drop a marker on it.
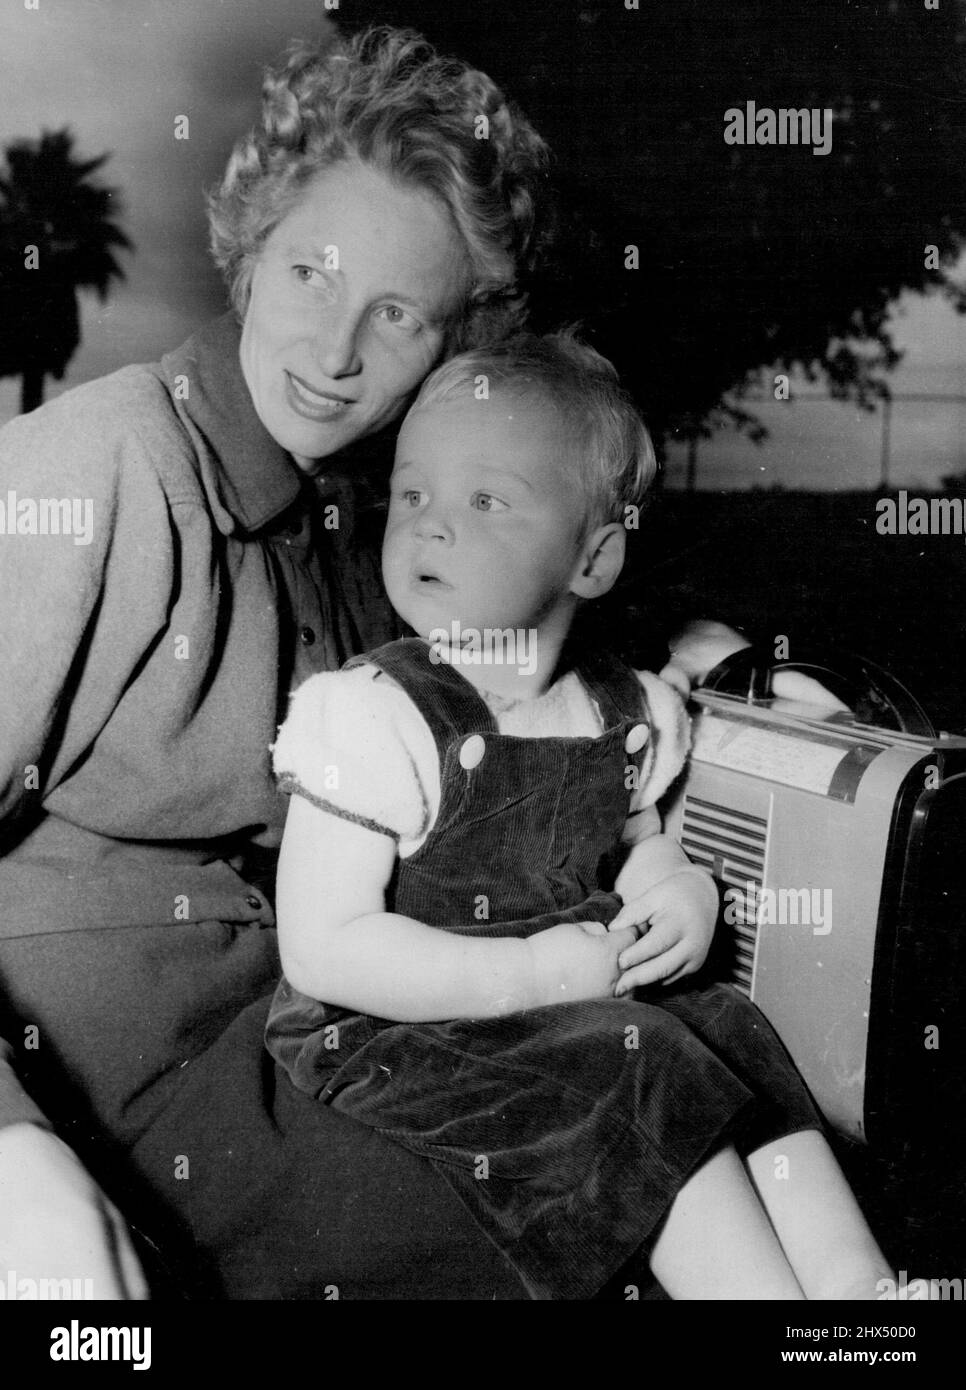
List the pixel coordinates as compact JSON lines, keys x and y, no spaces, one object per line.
{"x":73,"y":604}
{"x":75,"y":607}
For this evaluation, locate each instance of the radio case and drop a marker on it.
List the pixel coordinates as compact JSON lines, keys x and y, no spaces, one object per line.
{"x":840,"y":853}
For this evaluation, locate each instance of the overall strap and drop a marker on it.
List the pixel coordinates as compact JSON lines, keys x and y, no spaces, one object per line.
{"x":613,"y":685}
{"x":447,"y":701}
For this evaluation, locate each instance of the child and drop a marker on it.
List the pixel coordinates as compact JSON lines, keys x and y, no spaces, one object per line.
{"x":461,"y":798}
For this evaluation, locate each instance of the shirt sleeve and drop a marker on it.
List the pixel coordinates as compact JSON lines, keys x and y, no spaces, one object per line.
{"x":657,"y":856}
{"x":355,"y":745}
{"x":669,"y":739}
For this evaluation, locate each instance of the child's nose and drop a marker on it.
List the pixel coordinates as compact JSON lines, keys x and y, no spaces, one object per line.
{"x":432,"y":523}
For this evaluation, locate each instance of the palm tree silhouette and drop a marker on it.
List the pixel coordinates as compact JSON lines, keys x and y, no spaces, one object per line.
{"x":48,"y":202}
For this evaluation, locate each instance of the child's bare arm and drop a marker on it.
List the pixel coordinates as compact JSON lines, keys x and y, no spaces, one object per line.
{"x":651,"y":857}
{"x":338,"y":943}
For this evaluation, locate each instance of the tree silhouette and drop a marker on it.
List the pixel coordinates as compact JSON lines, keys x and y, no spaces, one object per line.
{"x":57,"y":236}
{"x":748,"y":255}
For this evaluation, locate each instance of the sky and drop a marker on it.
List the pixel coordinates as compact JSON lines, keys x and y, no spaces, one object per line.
{"x":119,"y":73}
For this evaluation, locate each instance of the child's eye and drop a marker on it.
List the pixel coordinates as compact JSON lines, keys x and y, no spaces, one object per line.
{"x":411,"y":496}
{"x":400,"y":318}
{"x":486,"y":502}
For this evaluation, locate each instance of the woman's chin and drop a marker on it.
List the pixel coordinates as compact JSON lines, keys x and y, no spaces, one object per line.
{"x":309,"y":466}
{"x":312,"y":455}
{"x":312,"y":447}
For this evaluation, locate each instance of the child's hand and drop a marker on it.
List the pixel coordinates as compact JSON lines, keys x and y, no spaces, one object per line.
{"x":677,"y":917}
{"x":577,"y":960}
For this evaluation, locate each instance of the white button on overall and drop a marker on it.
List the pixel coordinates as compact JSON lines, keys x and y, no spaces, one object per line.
{"x":471,"y":754}
{"x":636,"y":739}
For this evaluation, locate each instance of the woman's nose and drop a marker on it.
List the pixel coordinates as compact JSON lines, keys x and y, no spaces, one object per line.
{"x":337,"y":342}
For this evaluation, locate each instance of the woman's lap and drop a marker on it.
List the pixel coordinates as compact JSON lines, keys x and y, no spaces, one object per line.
{"x":152,"y":1065}
{"x":283,"y":1198}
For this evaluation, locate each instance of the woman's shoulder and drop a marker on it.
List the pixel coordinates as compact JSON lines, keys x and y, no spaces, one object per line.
{"x":97,"y":404}
{"x":119,"y":428}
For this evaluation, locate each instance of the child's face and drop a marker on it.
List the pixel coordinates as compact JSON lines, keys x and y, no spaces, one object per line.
{"x":485,"y":517}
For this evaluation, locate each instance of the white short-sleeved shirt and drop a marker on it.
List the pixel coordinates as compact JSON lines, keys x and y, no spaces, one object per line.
{"x":355,"y":743}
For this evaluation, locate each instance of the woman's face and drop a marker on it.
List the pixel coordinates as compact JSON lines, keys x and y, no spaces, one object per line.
{"x":350,"y":300}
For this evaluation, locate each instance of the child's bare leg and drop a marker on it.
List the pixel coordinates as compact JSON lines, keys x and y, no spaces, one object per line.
{"x":817,"y":1219}
{"x":717,"y":1241}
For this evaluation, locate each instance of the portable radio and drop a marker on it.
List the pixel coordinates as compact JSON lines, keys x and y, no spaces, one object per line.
{"x":840,"y":852}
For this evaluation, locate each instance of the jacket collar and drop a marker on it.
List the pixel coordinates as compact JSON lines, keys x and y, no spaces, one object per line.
{"x":249,"y":477}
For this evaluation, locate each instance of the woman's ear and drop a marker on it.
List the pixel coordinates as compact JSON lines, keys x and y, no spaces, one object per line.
{"x":600,"y":562}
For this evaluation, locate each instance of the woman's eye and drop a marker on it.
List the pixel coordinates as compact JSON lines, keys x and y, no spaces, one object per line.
{"x":304,"y":273}
{"x":486,"y":502}
{"x":411,"y":497}
{"x":400,"y":318}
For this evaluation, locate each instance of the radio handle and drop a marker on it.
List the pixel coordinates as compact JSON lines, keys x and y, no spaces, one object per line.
{"x":864,"y":686}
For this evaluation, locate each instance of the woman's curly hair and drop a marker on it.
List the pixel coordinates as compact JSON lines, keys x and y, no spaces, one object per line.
{"x":431,"y":122}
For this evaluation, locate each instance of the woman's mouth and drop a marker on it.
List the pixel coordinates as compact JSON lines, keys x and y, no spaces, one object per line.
{"x":311,"y":404}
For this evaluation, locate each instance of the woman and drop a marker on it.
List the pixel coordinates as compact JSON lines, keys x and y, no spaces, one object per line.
{"x":365,"y":231}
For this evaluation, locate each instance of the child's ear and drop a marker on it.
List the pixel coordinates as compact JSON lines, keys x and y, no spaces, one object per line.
{"x":600,"y":562}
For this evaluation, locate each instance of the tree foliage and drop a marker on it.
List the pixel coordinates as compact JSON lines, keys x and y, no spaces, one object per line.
{"x":49,"y":201}
{"x":749,"y":255}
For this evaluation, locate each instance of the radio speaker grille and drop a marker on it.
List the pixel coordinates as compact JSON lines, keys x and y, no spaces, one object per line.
{"x":732,"y":845}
